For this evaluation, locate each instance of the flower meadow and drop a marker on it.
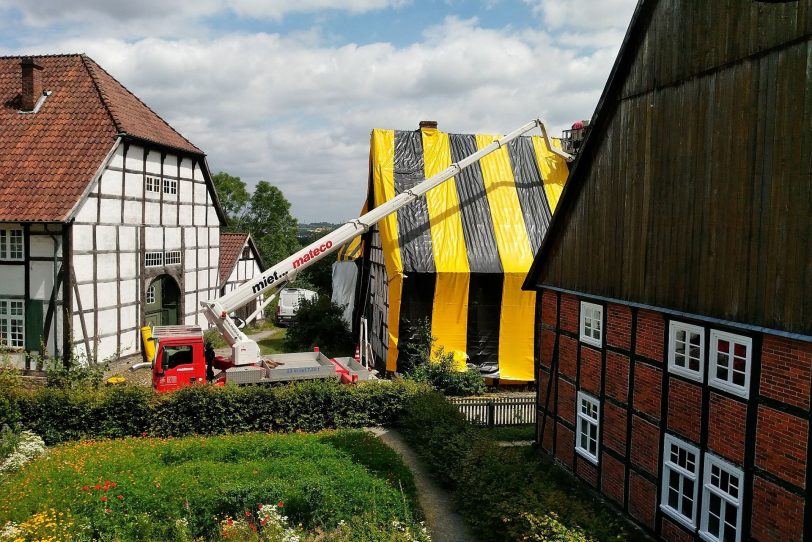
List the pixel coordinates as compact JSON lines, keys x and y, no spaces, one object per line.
{"x":331,"y":486}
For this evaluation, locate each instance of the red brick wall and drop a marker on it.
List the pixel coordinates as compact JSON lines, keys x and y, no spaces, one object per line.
{"x":613,"y":478}
{"x":726,"y":432}
{"x":648,"y":389}
{"x":781,"y":444}
{"x":785,"y":370}
{"x":619,"y":326}
{"x":564,"y":444}
{"x":642,"y":499}
{"x":588,"y":471}
{"x":777,"y":513}
{"x":549,"y":310}
{"x":645,"y":444}
{"x":590,"y":370}
{"x":567,"y":356}
{"x":543,"y":384}
{"x":614,"y":427}
{"x":684,"y":409}
{"x":570,"y":313}
{"x":617,"y":376}
{"x":566,"y":401}
{"x":650,"y":335}
{"x":546,"y":439}
{"x":547,"y":348}
{"x":672,"y":532}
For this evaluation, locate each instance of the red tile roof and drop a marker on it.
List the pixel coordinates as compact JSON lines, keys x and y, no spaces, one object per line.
{"x":230,"y":249}
{"x":48,"y":158}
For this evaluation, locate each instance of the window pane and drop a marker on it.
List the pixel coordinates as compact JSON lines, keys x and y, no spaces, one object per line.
{"x":714,"y":511}
{"x":740,"y":350}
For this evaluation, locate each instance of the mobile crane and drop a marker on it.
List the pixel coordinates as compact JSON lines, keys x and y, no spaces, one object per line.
{"x":179,"y":357}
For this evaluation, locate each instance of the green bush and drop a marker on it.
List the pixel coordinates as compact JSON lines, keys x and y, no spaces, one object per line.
{"x":505,"y":494}
{"x":60,"y":415}
{"x":319,"y":322}
{"x":416,"y":363}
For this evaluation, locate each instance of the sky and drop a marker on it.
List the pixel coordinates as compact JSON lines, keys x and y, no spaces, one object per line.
{"x":288,"y":90}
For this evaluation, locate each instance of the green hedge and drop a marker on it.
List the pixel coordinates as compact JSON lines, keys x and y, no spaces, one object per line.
{"x":60,"y":415}
{"x":505,"y":494}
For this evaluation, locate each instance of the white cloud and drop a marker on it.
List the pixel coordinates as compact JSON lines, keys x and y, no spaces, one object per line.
{"x":297,"y":110}
{"x":584,"y":14}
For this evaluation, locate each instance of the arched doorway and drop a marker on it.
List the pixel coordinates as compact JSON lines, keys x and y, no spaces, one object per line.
{"x":162,"y":302}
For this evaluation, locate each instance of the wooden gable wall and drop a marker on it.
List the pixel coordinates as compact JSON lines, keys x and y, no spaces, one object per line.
{"x":694,"y":192}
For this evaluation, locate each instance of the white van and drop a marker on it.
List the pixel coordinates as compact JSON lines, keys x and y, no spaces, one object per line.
{"x":289,"y":300}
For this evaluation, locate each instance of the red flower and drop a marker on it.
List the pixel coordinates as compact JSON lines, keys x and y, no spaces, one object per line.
{"x":107,"y":482}
{"x":107,"y":510}
{"x":85,"y":488}
{"x":253,"y":527}
{"x":119,"y":497}
{"x":97,"y":487}
{"x":280,"y":504}
{"x":114,"y":484}
{"x":143,"y":434}
{"x":264,"y":521}
{"x":230,"y":521}
{"x":247,"y":514}
{"x":104,"y":499}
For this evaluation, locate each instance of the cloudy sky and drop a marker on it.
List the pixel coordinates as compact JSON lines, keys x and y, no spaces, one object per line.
{"x":288,"y":90}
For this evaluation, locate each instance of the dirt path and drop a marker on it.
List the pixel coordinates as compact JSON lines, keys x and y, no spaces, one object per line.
{"x":443,"y":523}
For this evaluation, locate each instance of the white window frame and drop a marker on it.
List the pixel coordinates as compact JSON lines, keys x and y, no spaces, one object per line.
{"x":150,"y":295}
{"x":7,"y":318}
{"x":674,"y":328}
{"x":172,"y":257}
{"x":587,"y":316}
{"x":153,"y":184}
{"x":684,"y":473}
{"x":584,"y":422}
{"x":12,"y":244}
{"x":728,"y":385}
{"x":156,"y":257}
{"x":708,"y":487}
{"x":170,"y":186}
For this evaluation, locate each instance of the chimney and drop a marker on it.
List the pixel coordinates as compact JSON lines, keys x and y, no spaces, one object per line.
{"x":428,"y":124}
{"x":32,"y":83}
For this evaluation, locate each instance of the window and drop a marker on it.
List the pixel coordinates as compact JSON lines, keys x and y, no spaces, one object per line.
{"x":153,"y":184}
{"x":12,"y":323}
{"x":172,"y":257}
{"x":170,"y":186}
{"x":11,"y":244}
{"x":686,"y":350}
{"x":730,"y":362}
{"x":592,"y":324}
{"x":721,"y":501}
{"x":154,"y":259}
{"x":151,"y":294}
{"x":586,"y":438}
{"x":680,"y":467}
{"x":175,"y":356}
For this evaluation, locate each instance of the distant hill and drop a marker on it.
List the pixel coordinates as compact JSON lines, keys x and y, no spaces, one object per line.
{"x":308,"y":232}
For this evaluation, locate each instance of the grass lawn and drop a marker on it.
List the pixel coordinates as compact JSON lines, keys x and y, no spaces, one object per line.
{"x":339,"y":485}
{"x":273,"y":344}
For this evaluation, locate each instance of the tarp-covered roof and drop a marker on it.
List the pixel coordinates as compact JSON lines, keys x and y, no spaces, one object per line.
{"x":459,"y":255}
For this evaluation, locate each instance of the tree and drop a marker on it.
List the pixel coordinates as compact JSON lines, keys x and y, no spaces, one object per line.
{"x":319,"y":322}
{"x":270,"y":223}
{"x":233,"y":198}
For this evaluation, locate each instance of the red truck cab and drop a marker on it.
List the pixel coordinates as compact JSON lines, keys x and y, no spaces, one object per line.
{"x":179,"y":357}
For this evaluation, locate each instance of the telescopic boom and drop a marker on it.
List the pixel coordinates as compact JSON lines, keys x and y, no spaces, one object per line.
{"x":246,"y":351}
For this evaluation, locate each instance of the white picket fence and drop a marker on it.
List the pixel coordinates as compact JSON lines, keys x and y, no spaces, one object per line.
{"x":508,"y":409}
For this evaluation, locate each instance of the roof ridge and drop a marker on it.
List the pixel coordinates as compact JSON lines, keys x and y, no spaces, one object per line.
{"x":96,"y":65}
{"x":101,"y":92}
{"x":52,"y":55}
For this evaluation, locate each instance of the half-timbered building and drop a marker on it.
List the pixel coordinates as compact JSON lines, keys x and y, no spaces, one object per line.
{"x":240,"y":262}
{"x":108,"y":216}
{"x":674,"y":329}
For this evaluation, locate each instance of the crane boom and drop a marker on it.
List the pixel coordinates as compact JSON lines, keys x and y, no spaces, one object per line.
{"x":246,"y":351}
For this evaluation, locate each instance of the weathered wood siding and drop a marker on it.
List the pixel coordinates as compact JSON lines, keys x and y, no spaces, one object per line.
{"x":698,"y":194}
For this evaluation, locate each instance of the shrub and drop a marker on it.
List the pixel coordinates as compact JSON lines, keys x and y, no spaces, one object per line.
{"x":442,"y":372}
{"x":505,"y":494}
{"x":319,"y":322}
{"x":60,"y":415}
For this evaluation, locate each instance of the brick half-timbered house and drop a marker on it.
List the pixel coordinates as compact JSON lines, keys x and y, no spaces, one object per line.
{"x":108,"y":216}
{"x":674,"y":329}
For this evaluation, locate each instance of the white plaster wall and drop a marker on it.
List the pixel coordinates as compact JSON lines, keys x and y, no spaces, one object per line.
{"x":129,"y":291}
{"x":128,"y":238}
{"x":186,"y":168}
{"x":105,"y":237}
{"x":106,"y":266}
{"x":199,"y":216}
{"x":128,"y":265}
{"x":87,"y":211}
{"x":185,"y":214}
{"x":42,"y":246}
{"x":212,"y":214}
{"x":110,"y":211}
{"x":106,"y":348}
{"x":153,"y":162}
{"x":107,"y":294}
{"x":152,"y":212}
{"x":172,"y":238}
{"x":134,"y":184}
{"x":82,"y":237}
{"x":108,"y":321}
{"x":170,"y":214}
{"x":111,"y":182}
{"x":190,"y":278}
{"x":83,"y":267}
{"x":129,"y":317}
{"x":132,"y":212}
{"x":135,"y":158}
{"x":42,"y":280}
{"x":117,"y":160}
{"x":85,"y":296}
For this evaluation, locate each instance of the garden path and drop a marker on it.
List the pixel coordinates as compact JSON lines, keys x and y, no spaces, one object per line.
{"x":444,"y":524}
